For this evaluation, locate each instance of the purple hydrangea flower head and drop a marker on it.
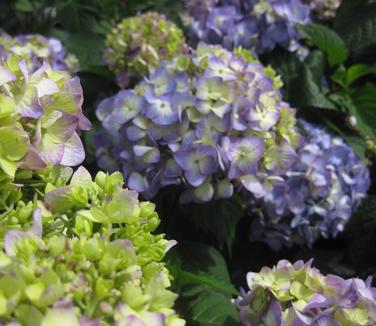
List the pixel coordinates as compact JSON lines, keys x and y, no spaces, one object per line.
{"x":202,"y":121}
{"x":258,"y":25}
{"x":298,"y":294}
{"x":315,"y":197}
{"x":137,"y":44}
{"x":36,"y":49}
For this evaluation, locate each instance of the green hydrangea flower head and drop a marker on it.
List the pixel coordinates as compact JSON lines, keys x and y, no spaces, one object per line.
{"x":137,"y":44}
{"x":94,"y":259}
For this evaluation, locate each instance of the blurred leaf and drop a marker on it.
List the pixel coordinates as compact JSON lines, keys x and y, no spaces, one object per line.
{"x":361,"y":232}
{"x":364,"y":98}
{"x":218,"y":218}
{"x":86,"y":46}
{"x":356,"y":24}
{"x":326,"y":40}
{"x":24,"y":5}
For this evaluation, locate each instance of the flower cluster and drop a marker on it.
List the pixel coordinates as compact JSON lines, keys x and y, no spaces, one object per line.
{"x":36,"y":49}
{"x":324,"y":9}
{"x":298,"y":294}
{"x":137,"y":45}
{"x":203,"y":121}
{"x":40,"y":118}
{"x":258,"y":25}
{"x":317,"y":195}
{"x":88,"y":257}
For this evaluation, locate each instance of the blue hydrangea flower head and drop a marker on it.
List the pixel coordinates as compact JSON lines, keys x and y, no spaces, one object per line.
{"x":258,"y":25}
{"x":316,"y":197}
{"x":201,"y":121}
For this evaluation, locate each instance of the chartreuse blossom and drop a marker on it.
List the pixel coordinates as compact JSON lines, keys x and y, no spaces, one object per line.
{"x":202,"y":121}
{"x":137,"y":44}
{"x":315,"y":197}
{"x":36,"y":49}
{"x":88,"y":256}
{"x":40,"y":119}
{"x":258,"y":25}
{"x":298,"y":294}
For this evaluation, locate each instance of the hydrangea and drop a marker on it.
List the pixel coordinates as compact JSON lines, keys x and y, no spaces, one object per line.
{"x":40,"y":118}
{"x":298,"y":294}
{"x":317,"y":195}
{"x":258,"y":25}
{"x":137,"y":45}
{"x":36,"y":49}
{"x":202,"y":122}
{"x":324,"y":9}
{"x":88,"y":256}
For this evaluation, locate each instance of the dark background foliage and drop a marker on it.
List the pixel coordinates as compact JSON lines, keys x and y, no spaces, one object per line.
{"x":214,"y":252}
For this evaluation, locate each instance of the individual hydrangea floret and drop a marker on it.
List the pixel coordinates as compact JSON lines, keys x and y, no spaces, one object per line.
{"x":36,"y":49}
{"x":137,"y":44}
{"x":298,"y":294}
{"x":202,"y":121}
{"x":324,"y":9}
{"x":89,"y":256}
{"x":316,"y":197}
{"x":40,"y":118}
{"x":258,"y":25}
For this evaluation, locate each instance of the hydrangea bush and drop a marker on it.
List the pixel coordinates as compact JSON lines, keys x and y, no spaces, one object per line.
{"x":88,"y":257}
{"x":36,"y":49}
{"x":40,"y":119}
{"x":298,"y":294}
{"x":207,"y":122}
{"x":317,"y":195}
{"x":258,"y":25}
{"x":137,"y":44}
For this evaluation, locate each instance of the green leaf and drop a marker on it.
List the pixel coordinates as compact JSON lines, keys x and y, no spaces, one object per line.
{"x":305,"y":92}
{"x":203,"y":282}
{"x":24,"y":6}
{"x":357,"y":71}
{"x":356,"y":24}
{"x":217,"y":218}
{"x":206,"y":268}
{"x":364,"y":99}
{"x":361,"y":233}
{"x":326,"y":40}
{"x":211,"y":309}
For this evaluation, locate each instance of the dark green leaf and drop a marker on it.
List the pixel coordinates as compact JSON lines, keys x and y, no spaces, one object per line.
{"x":24,"y":5}
{"x":326,"y":40}
{"x":305,"y":92}
{"x":217,"y":218}
{"x":364,"y":99}
{"x":356,"y":24}
{"x":357,"y":71}
{"x":211,"y":309}
{"x":199,"y":264}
